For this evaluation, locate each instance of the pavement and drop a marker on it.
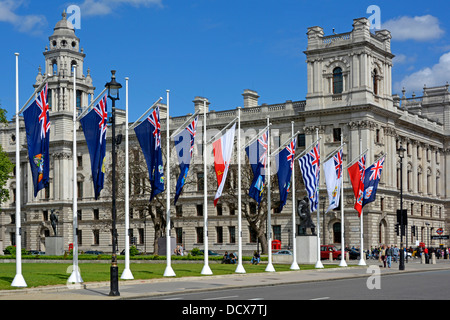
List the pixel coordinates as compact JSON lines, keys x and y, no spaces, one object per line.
{"x":158,"y":288}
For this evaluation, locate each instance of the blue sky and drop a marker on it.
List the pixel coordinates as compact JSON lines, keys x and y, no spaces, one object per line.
{"x":213,"y":48}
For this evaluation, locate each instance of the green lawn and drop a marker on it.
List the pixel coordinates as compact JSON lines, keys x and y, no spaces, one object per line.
{"x":43,"y":274}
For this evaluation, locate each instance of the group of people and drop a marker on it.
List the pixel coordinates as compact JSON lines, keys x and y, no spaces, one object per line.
{"x":387,"y":253}
{"x":229,"y":258}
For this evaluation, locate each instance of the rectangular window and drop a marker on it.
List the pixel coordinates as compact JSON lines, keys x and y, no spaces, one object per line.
{"x":96,"y":234}
{"x":200,"y":182}
{"x":199,"y":231}
{"x":337,"y":134}
{"x":219,"y":233}
{"x":232,"y":232}
{"x":199,"y":210}
{"x":276,"y":232}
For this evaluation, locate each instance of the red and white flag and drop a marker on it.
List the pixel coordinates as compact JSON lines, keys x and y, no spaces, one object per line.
{"x":223,"y":148}
{"x":356,"y":173}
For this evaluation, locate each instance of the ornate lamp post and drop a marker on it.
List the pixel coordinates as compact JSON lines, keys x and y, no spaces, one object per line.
{"x":401,"y":154}
{"x":113,"y":94}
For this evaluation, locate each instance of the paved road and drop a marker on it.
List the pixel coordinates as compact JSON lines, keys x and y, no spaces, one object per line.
{"x":161,"y":288}
{"x":427,"y":285}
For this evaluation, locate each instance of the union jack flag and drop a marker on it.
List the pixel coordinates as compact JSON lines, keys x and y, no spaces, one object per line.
{"x":262,"y":140}
{"x":192,"y":129}
{"x":42,"y":103}
{"x":153,"y":118}
{"x":291,"y":149}
{"x":100,"y":109}
{"x":362,"y":167}
{"x":315,"y":161}
{"x":376,"y":170}
{"x":338,"y":163}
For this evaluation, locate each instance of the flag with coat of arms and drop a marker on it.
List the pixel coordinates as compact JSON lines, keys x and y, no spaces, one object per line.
{"x":148,"y":133}
{"x":37,"y":127}
{"x":94,"y":125}
{"x":184,"y":145}
{"x":333,"y":176}
{"x":285,"y":163}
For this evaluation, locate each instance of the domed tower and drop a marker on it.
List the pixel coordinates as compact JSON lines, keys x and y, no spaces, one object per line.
{"x":62,"y":54}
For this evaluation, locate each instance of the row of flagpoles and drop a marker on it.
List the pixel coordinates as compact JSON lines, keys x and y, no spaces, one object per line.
{"x":93,"y":120}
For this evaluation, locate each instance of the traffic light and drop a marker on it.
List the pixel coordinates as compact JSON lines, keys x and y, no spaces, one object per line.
{"x":397,"y":228}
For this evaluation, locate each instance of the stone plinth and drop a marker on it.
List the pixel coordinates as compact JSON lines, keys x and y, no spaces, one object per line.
{"x":54,"y":246}
{"x":306,"y":249}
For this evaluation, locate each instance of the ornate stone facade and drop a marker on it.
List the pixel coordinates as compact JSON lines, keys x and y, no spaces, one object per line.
{"x":349,"y":93}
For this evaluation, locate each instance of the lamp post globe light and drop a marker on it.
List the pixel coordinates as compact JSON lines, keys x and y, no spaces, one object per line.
{"x":401,"y":154}
{"x":113,"y":93}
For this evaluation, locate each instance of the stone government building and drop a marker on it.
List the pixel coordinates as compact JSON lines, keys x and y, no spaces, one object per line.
{"x":349,"y":92}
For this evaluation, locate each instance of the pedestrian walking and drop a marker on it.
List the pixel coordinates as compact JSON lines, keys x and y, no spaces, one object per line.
{"x":389,"y":254}
{"x":383,"y":255}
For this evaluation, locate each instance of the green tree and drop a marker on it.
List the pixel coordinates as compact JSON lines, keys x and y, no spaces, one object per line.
{"x":6,"y":166}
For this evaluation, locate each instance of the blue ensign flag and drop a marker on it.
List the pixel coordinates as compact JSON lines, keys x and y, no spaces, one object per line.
{"x":372,"y":177}
{"x":94,"y":125}
{"x":285,"y":163}
{"x":148,"y":133}
{"x":37,"y":127}
{"x":184,"y":145}
{"x":257,"y":155}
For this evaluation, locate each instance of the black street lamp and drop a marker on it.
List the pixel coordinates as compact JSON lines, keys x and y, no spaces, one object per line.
{"x":401,"y":154}
{"x":113,"y":94}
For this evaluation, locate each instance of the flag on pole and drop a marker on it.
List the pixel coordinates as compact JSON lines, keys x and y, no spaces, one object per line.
{"x":285,"y":163}
{"x":356,"y":173}
{"x":37,"y":127}
{"x":222,"y":148}
{"x":310,"y":169}
{"x":148,"y":133}
{"x":94,"y":125}
{"x":184,"y":145}
{"x":333,"y":176}
{"x":372,"y":176}
{"x":257,"y":155}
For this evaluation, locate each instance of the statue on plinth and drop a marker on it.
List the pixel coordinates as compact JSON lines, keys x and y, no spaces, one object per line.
{"x":54,"y":221}
{"x":304,"y":212}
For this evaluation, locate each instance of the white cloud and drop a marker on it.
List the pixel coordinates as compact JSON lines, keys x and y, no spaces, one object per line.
{"x":24,"y":23}
{"x":437,"y":75}
{"x":105,"y":7}
{"x":423,"y":28}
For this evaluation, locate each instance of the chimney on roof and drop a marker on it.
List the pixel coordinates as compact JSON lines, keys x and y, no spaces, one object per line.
{"x":250,"y":98}
{"x":199,"y":104}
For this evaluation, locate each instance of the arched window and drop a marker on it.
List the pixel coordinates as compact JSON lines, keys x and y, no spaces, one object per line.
{"x":54,"y":67}
{"x":337,"y":232}
{"x":375,"y":81}
{"x":337,"y":81}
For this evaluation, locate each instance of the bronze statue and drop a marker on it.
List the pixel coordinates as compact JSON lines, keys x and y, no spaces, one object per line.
{"x":304,"y":213}
{"x":54,"y":221}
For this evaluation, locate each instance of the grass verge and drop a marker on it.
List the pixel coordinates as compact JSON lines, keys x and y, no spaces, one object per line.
{"x":46,"y":274}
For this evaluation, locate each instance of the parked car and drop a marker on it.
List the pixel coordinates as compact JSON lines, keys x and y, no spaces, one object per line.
{"x":31,"y":252}
{"x":93,"y":252}
{"x":352,"y":253}
{"x":210,"y":253}
{"x":326,"y":249}
{"x":285,"y":252}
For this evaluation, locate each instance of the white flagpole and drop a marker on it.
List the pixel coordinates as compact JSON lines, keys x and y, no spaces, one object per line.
{"x":362,"y":262}
{"x":169,"y":271}
{"x":294,"y":265}
{"x":18,"y":280}
{"x":75,"y":277}
{"x":206,"y":269}
{"x":240,"y":267}
{"x":342,"y":263}
{"x":319,"y":264}
{"x":126,"y":274}
{"x":269,"y":267}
